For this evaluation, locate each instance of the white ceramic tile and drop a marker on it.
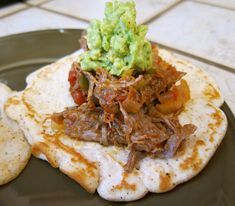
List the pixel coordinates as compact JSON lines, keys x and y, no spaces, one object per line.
{"x":147,"y":9}
{"x":36,"y":2}
{"x":205,"y":31}
{"x":223,"y":3}
{"x":87,"y":10}
{"x":91,"y":9}
{"x":11,"y":9}
{"x":36,"y":19}
{"x":224,"y":79}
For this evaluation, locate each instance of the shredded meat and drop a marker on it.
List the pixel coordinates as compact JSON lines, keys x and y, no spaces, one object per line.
{"x":123,"y":111}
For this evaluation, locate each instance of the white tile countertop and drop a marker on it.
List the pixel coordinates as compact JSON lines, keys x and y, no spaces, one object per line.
{"x":201,"y":31}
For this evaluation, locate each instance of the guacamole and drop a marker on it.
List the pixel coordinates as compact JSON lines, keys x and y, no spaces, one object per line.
{"x":116,"y":43}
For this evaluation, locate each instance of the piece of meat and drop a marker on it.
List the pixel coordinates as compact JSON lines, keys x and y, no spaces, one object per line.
{"x":132,"y":102}
{"x":110,"y":90}
{"x":133,"y":157}
{"x":176,"y":139}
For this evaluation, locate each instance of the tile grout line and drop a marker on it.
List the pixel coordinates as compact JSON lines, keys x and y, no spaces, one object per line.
{"x":206,"y":61}
{"x":36,"y":5}
{"x":60,"y":13}
{"x":213,"y":5}
{"x":14,"y":12}
{"x":29,"y":6}
{"x":163,"y":11}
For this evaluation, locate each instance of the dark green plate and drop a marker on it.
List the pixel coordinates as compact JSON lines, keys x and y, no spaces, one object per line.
{"x":41,"y":185}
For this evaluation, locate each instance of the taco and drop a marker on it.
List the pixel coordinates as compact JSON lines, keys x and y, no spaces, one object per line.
{"x":121,"y":116}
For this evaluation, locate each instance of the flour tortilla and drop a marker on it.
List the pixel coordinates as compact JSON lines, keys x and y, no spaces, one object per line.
{"x":100,"y":168}
{"x":14,"y":148}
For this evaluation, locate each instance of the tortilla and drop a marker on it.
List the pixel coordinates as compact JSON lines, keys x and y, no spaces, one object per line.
{"x":100,"y":168}
{"x":14,"y":148}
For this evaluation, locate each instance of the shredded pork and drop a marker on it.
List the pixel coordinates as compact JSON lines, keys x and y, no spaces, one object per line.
{"x":122,"y":111}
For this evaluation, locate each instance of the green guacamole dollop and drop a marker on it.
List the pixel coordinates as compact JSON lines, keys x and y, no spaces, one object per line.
{"x":116,"y":43}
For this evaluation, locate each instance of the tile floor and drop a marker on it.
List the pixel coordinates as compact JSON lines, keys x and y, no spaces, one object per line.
{"x":36,"y":2}
{"x":202,"y":31}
